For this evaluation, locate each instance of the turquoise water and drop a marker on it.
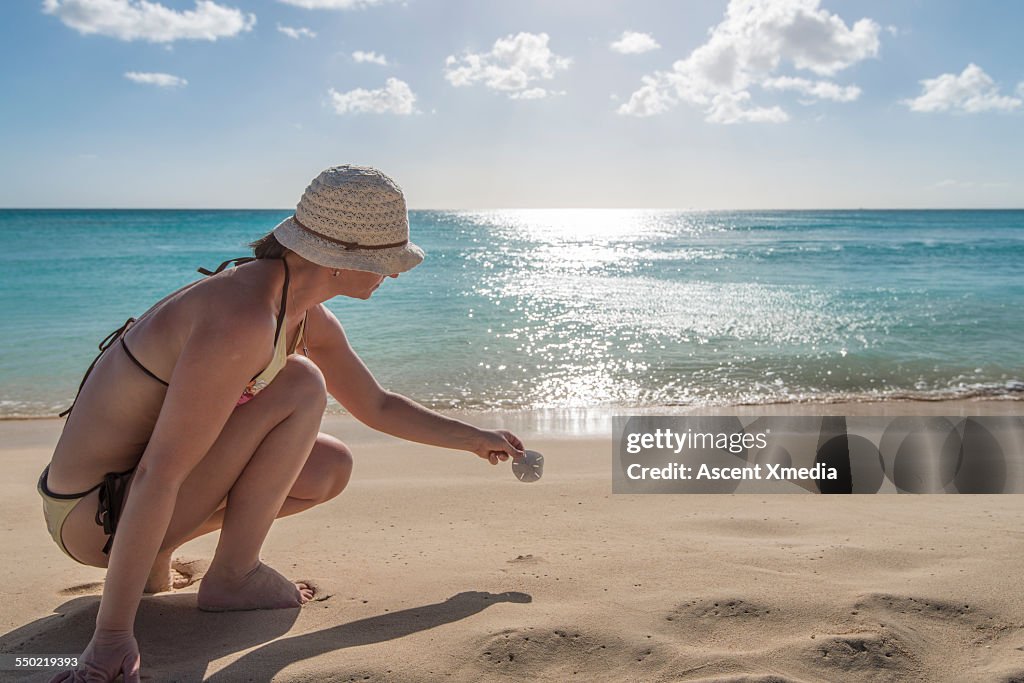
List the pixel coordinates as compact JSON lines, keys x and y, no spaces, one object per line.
{"x":571,"y":308}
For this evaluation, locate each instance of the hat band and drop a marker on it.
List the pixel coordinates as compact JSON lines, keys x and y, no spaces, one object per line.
{"x":348,"y":246}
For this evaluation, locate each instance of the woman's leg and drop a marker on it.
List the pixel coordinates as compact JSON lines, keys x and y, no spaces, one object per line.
{"x":253,"y":464}
{"x":324,"y":475}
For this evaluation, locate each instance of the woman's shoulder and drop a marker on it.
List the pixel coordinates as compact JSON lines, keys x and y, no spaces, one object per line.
{"x":319,"y":313}
{"x":322,"y":329}
{"x":229,"y":307}
{"x":322,"y":318}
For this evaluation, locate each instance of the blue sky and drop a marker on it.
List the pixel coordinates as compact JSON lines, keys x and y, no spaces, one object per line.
{"x":494,"y":104}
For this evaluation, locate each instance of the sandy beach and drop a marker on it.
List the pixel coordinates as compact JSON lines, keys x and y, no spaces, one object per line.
{"x":434,"y":566}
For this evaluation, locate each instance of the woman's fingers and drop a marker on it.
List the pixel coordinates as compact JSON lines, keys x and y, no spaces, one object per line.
{"x":502,"y":446}
{"x":515,"y":442}
{"x":109,"y":656}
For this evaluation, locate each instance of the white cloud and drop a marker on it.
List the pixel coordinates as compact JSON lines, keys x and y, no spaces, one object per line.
{"x":512,"y":66}
{"x":369,"y":57}
{"x":150,"y":21}
{"x":822,"y":90}
{"x":972,"y":91}
{"x":396,"y":97}
{"x":296,"y":33}
{"x":729,"y":108}
{"x":745,"y":50}
{"x":634,"y":43}
{"x":158,"y":79}
{"x":654,"y":97}
{"x":533,"y":94}
{"x":333,"y":4}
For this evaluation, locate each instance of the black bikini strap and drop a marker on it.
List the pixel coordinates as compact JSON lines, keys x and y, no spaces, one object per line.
{"x":62,"y":496}
{"x":140,"y":365}
{"x":104,"y":345}
{"x":236,"y":261}
{"x":284,"y":302}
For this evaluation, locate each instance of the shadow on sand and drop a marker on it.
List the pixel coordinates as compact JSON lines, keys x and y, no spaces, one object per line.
{"x":179,"y":641}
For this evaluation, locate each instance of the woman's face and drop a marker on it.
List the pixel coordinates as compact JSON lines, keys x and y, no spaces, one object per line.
{"x":360,"y":284}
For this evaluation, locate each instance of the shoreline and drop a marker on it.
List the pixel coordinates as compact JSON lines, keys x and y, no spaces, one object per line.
{"x":583,"y":423}
{"x":573,"y":418}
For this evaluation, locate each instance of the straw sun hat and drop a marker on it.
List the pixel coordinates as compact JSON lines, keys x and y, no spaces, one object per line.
{"x":352,"y":217}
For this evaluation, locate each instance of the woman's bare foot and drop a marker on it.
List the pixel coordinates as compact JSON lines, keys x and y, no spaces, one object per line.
{"x":168,"y":574}
{"x":261,"y":588}
{"x":161,"y":577}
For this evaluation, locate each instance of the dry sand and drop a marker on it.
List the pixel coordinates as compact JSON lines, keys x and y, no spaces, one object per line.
{"x":434,"y":565}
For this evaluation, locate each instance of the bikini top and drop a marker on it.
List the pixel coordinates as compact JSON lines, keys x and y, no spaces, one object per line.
{"x":277,"y":363}
{"x":257,"y":383}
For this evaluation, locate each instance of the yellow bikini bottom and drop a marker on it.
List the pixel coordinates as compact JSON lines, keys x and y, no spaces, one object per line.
{"x":57,"y":506}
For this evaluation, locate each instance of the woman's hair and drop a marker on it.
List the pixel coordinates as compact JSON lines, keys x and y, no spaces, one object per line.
{"x":268,"y":247}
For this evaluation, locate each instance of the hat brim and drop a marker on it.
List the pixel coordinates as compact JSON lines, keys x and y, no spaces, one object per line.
{"x":324,"y":253}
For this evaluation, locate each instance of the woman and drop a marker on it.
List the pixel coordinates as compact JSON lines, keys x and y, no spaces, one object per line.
{"x":204,"y":414}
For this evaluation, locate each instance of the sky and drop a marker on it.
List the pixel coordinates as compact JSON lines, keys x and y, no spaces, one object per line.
{"x":709,"y":104}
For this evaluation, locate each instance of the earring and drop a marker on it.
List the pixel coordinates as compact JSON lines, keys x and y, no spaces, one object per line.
{"x":335,"y":273}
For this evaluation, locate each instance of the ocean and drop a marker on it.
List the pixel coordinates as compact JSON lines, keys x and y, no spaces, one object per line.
{"x":528,"y":309}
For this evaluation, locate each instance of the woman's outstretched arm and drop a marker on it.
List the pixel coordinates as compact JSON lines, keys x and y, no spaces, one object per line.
{"x":356,"y":389}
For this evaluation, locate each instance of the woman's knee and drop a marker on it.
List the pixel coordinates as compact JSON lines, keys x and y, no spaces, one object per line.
{"x":305,"y":381}
{"x":327,"y":471}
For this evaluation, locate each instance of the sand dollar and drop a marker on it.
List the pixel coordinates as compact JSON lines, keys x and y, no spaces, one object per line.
{"x":529,"y":468}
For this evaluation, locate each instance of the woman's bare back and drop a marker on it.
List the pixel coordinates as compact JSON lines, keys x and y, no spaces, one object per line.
{"x":117,"y":409}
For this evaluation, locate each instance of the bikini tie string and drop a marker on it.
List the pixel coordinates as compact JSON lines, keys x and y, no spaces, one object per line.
{"x":111,"y":504}
{"x":103,"y":346}
{"x":236,"y":261}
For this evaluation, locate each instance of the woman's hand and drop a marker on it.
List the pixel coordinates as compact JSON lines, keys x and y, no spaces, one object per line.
{"x":498,"y":444}
{"x":109,"y":654}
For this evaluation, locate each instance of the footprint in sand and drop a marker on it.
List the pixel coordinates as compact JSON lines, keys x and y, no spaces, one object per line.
{"x":722,"y":607}
{"x":865,"y":651}
{"x":83,"y":588}
{"x":531,"y":651}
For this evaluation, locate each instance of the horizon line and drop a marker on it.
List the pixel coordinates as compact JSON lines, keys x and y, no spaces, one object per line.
{"x":526,"y":208}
